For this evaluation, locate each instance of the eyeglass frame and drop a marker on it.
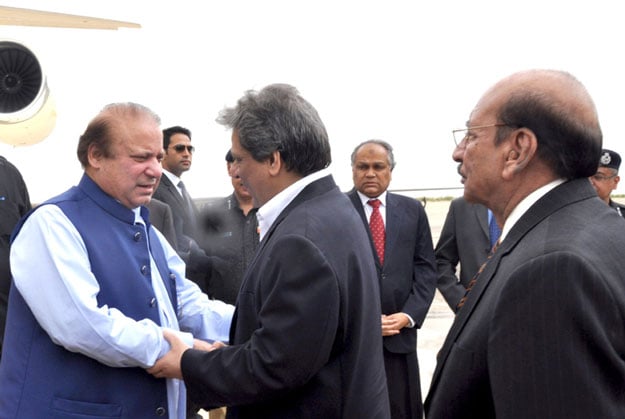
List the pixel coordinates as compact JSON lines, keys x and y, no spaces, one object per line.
{"x":467,"y":129}
{"x":599,"y":177}
{"x":179,"y":148}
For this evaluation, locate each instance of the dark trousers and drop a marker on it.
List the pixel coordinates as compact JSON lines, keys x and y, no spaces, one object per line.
{"x":404,"y":385}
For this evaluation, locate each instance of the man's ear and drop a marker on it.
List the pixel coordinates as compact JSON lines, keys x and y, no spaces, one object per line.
{"x":275,"y":163}
{"x":94,"y":155}
{"x":519,"y":152}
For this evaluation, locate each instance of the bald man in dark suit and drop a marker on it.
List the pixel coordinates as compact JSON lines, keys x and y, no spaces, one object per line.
{"x":541,"y":333}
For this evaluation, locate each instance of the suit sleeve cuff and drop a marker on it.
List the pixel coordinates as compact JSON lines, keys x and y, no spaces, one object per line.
{"x":411,"y":322}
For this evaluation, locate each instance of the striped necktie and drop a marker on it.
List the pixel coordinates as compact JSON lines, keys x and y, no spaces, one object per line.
{"x":474,"y":279}
{"x":187,"y":201}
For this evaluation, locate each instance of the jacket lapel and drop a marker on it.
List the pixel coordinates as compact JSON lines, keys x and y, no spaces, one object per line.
{"x":353,"y":196}
{"x":314,"y":189}
{"x":394,"y":216}
{"x":173,"y":192}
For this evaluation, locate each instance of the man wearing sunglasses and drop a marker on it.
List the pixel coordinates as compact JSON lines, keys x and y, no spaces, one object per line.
{"x":177,"y":160}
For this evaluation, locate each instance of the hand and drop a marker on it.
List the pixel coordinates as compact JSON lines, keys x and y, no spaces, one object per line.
{"x":202,"y":345}
{"x":169,"y":365}
{"x":393,"y":323}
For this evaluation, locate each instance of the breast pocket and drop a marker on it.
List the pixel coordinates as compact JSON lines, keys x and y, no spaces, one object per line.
{"x":74,"y":409}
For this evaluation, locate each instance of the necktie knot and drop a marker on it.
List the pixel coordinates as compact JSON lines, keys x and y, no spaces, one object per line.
{"x":375,"y":203}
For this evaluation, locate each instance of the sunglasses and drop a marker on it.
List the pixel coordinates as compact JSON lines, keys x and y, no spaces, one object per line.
{"x":180,"y":148}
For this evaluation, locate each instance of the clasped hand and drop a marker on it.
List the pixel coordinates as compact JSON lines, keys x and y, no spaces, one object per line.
{"x":168,"y":366}
{"x":393,"y":323}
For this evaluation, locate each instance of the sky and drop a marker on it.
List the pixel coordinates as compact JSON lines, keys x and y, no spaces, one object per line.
{"x":407,"y":72}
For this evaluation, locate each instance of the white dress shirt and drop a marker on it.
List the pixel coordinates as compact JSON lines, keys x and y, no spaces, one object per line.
{"x":268,"y":213}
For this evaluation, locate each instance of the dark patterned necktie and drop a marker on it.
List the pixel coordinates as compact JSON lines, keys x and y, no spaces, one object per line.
{"x":474,"y":279}
{"x":376,"y":224}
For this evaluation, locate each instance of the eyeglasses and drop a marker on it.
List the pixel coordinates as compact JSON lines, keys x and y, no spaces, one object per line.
{"x":461,"y":134}
{"x":180,"y":148}
{"x":602,"y":178}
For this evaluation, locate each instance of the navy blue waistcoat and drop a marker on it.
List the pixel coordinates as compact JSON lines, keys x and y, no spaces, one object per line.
{"x":39,"y":379}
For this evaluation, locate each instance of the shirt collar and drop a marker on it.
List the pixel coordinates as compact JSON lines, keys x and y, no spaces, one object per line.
{"x":269,"y":212}
{"x":364,"y":198}
{"x":173,"y":178}
{"x":525,"y":205}
{"x":138,"y":217}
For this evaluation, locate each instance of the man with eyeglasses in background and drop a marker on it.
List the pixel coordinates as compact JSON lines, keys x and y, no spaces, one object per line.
{"x":177,"y":160}
{"x":606,"y":179}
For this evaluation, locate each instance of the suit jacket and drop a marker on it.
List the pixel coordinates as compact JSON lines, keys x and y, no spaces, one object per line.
{"x":408,"y":276}
{"x":306,"y":331}
{"x":168,"y":193}
{"x":464,"y":240}
{"x":162,"y":218}
{"x":541,"y":334}
{"x":200,"y":267}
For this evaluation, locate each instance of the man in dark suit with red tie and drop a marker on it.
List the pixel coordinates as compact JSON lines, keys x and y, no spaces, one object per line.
{"x":401,"y":244}
{"x":541,"y":333}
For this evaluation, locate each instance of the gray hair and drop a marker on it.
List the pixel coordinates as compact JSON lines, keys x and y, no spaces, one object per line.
{"x":384,"y":144}
{"x":277,"y":118}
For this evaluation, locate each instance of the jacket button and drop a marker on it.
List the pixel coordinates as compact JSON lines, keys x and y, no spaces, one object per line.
{"x":172,"y":276}
{"x":160,"y":411}
{"x":137,"y":236}
{"x":153,"y":302}
{"x":144,"y":269}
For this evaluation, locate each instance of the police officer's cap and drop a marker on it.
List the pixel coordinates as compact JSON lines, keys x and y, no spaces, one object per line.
{"x":610,"y":159}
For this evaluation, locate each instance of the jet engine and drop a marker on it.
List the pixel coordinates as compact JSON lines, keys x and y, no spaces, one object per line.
{"x":27,"y":110}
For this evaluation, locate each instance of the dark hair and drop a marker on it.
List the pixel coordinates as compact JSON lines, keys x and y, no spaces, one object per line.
{"x":101,"y":129}
{"x":277,"y":118}
{"x":168,"y":132}
{"x":570,"y":146}
{"x":387,"y":147}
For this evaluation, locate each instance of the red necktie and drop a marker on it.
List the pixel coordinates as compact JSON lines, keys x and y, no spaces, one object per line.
{"x":376,"y":224}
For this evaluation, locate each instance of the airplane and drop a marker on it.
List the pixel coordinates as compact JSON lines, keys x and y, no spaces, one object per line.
{"x":27,"y":111}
